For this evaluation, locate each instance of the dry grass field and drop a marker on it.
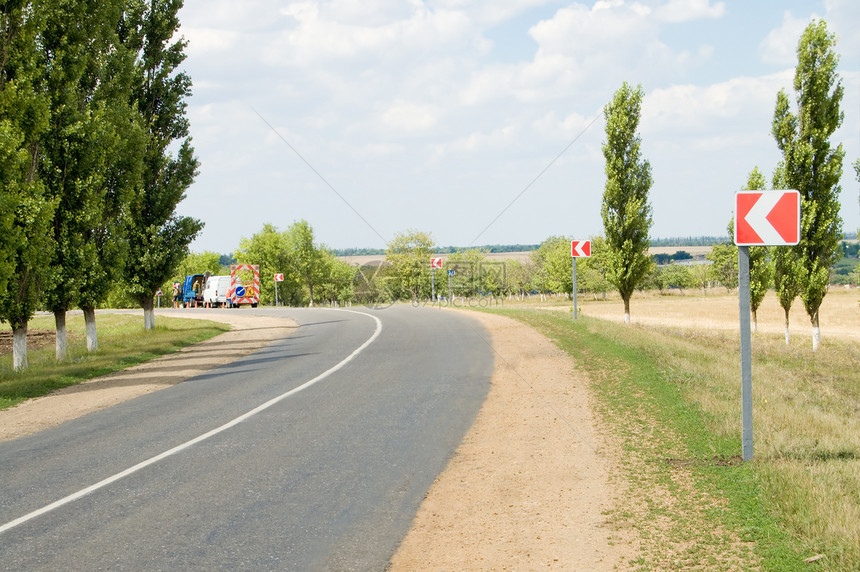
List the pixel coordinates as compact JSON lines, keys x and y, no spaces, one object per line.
{"x":839,"y":314}
{"x":807,"y":427}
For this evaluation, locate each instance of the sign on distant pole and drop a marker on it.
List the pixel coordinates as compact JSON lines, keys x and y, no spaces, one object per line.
{"x":278,"y":278}
{"x":434,"y":264}
{"x":762,"y":218}
{"x":578,"y":248}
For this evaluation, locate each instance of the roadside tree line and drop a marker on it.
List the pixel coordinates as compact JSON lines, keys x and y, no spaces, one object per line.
{"x":95,"y":154}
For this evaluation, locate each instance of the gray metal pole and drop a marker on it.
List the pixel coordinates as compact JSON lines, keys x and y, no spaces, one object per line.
{"x":432,"y":283}
{"x":276,"y":293}
{"x":450,"y":292}
{"x":575,"y":309}
{"x":746,"y":351}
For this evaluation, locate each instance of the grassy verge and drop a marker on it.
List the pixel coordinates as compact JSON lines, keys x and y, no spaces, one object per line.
{"x":672,"y":400}
{"x":122,"y":343}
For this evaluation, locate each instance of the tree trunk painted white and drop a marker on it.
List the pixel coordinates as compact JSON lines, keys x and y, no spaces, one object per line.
{"x":148,"y":314}
{"x":626,"y":317}
{"x":816,"y":333}
{"x":787,"y":334}
{"x":90,"y":324}
{"x":60,"y":324}
{"x":754,"y":322}
{"x":19,"y":348}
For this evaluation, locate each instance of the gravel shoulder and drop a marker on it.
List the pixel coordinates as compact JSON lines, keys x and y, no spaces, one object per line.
{"x":531,"y":483}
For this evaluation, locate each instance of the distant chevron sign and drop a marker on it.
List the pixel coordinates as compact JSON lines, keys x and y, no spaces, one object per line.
{"x":580,"y":248}
{"x":767,"y":218}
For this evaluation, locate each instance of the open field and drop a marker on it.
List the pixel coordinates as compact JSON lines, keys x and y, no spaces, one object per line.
{"x":839,"y":314}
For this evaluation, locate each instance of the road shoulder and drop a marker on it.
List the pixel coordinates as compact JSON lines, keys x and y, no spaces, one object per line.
{"x":248,"y":334}
{"x":531,"y":483}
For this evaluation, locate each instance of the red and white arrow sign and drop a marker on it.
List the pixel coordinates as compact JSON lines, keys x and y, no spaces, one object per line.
{"x":279,"y":277}
{"x":435,"y":263}
{"x":767,"y":218}
{"x":580,"y":248}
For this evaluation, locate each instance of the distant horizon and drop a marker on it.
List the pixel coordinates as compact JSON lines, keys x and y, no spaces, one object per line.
{"x":678,"y":241}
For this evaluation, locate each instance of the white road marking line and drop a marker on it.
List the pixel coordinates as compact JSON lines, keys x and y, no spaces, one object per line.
{"x":101,"y":484}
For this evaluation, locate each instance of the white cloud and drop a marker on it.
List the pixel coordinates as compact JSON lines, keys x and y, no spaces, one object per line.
{"x":692,"y":108}
{"x":321,"y":36}
{"x":410,"y":117}
{"x":491,"y":13}
{"x":677,"y":11}
{"x":842,"y":17}
{"x":780,"y":45}
{"x":478,"y":141}
{"x":578,"y":31}
{"x":205,"y":41}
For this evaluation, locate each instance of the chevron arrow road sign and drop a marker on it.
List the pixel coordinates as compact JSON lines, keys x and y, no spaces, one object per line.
{"x":767,"y":218}
{"x":580,"y":248}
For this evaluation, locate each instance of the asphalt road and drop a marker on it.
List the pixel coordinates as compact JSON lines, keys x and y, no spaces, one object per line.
{"x":327,"y":477}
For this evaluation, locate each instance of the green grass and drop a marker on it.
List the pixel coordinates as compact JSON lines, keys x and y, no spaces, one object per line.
{"x":672,"y":400}
{"x":122,"y":343}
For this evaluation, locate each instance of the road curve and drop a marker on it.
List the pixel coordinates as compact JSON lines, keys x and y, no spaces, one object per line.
{"x":328,"y":476}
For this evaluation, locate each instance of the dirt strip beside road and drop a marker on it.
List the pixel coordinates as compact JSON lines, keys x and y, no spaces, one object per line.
{"x":529,"y":487}
{"x":248,"y":334}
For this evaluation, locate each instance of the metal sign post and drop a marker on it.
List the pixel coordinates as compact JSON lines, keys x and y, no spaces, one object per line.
{"x":578,"y":248}
{"x":450,"y":289}
{"x":762,"y":218}
{"x":278,"y":278}
{"x":746,"y":351}
{"x":434,"y":264}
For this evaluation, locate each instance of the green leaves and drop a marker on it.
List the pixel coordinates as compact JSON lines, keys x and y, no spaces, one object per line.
{"x":408,"y":253}
{"x":310,"y":272}
{"x":626,"y":212}
{"x":812,"y":166}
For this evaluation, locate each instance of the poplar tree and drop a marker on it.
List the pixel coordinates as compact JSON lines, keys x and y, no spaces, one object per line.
{"x":626,"y":212}
{"x":25,"y":209}
{"x":158,"y":238}
{"x":92,"y":155}
{"x":786,"y":265}
{"x":810,"y":165}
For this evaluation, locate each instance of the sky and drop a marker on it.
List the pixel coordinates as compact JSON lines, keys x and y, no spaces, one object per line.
{"x":482,"y":122}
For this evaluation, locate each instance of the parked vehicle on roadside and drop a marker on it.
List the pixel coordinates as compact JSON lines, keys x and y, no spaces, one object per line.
{"x":244,"y":285}
{"x":215,"y":292}
{"x":191,"y":295}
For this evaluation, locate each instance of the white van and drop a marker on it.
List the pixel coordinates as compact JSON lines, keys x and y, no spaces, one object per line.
{"x":215,"y":293}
